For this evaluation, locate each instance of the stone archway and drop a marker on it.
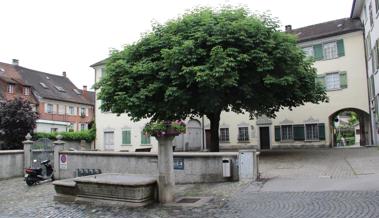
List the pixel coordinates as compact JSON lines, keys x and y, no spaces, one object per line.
{"x":362,"y":129}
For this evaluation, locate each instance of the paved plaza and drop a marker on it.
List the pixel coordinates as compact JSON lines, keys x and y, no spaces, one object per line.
{"x":344,"y":183}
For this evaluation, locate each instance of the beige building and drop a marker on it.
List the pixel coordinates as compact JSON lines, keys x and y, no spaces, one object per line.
{"x":338,"y":48}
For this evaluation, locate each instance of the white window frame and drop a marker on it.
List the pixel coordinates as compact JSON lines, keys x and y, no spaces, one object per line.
{"x":315,"y":136}
{"x":10,"y":88}
{"x":332,"y":81}
{"x":330,"y":50}
{"x":309,"y":52}
{"x":110,"y":145}
{"x":286,"y":134}
{"x":71,"y":110}
{"x":49,"y":108}
{"x":224,"y":136}
{"x":26,"y":90}
{"x":243,"y":136}
{"x":83,"y":111}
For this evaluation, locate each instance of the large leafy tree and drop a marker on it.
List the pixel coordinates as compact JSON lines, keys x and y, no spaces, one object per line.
{"x":208,"y":61}
{"x":17,"y":119}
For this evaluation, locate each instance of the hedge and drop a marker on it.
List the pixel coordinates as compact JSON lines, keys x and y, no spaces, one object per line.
{"x":87,"y":135}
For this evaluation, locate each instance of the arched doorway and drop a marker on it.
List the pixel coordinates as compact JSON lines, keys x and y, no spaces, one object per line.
{"x":192,"y":139}
{"x":349,"y":127}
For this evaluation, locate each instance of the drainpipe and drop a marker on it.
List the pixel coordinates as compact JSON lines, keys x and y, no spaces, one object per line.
{"x":371,"y":139}
{"x":203,"y":130}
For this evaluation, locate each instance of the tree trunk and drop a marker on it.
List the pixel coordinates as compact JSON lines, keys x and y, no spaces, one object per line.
{"x":215,"y":124}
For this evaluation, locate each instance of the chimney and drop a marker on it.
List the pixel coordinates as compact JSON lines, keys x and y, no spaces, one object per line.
{"x":85,"y":93}
{"x":64,"y":74}
{"x":15,"y":62}
{"x":288,"y":28}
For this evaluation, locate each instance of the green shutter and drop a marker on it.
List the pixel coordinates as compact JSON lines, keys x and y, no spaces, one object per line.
{"x":376,"y":108}
{"x":321,"y":79}
{"x":321,"y":131}
{"x":277,"y":133}
{"x":318,"y":52}
{"x":126,"y":137}
{"x":298,"y":133}
{"x":372,"y":85}
{"x":340,"y":48}
{"x":343,"y":80}
{"x":145,"y":139}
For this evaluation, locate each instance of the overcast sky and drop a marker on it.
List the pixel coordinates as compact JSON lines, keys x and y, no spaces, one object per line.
{"x":69,"y":35}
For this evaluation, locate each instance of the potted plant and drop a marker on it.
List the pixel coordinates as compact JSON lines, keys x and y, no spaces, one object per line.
{"x":165,"y":128}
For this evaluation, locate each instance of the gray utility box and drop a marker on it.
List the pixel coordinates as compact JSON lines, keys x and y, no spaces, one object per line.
{"x":248,"y":165}
{"x":226,"y":167}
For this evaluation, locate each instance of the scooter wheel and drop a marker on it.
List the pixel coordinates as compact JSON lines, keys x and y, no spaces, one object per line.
{"x":29,"y":181}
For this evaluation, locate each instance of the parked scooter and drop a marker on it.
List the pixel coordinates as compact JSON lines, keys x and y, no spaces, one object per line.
{"x":36,"y":175}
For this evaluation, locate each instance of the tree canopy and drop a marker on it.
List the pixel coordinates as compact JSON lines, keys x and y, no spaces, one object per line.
{"x":208,"y":61}
{"x":17,"y":119}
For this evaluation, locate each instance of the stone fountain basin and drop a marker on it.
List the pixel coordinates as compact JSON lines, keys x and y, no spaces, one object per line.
{"x":133,"y":189}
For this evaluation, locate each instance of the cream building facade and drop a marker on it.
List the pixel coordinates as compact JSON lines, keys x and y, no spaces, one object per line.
{"x":338,"y":48}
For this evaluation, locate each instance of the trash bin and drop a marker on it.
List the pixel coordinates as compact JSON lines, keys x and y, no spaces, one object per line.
{"x":226,"y":167}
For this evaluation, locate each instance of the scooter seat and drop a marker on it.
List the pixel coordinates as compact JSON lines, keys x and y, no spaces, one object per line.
{"x":45,"y":162}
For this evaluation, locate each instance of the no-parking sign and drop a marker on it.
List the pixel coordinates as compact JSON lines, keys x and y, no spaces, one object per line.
{"x":63,"y":161}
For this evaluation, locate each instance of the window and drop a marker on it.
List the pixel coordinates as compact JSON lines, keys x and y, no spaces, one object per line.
{"x":243,"y":134}
{"x":82,"y":127}
{"x":108,"y":140}
{"x":52,"y":130}
{"x":10,"y":88}
{"x":368,"y":46}
{"x":77,"y":92}
{"x":370,"y":14}
{"x":377,"y":5}
{"x":287,"y":132}
{"x":308,"y":51}
{"x":224,"y":134}
{"x":145,"y":139}
{"x":49,"y":108}
{"x":43,"y":85}
{"x":71,"y":110}
{"x":126,"y":137}
{"x":332,"y":81}
{"x":83,"y":111}
{"x":60,"y":88}
{"x":330,"y":50}
{"x":311,"y":132}
{"x":26,"y":90}
{"x":102,"y":72}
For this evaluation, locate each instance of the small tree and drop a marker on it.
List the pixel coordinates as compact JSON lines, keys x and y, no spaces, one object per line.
{"x":206,"y":62}
{"x":16,"y":120}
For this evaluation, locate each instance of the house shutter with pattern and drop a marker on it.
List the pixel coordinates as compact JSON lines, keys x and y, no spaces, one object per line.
{"x":126,"y":137}
{"x":321,"y":131}
{"x":298,"y":133}
{"x":343,"y":80}
{"x":321,"y":79}
{"x":340,"y":48}
{"x":277,"y":133}
{"x":318,"y":52}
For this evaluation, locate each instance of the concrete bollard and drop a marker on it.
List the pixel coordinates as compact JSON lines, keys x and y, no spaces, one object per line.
{"x":58,"y":146}
{"x":27,"y":151}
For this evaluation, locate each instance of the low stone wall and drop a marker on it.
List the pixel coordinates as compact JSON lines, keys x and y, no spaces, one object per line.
{"x":194,"y":167}
{"x":11,"y":163}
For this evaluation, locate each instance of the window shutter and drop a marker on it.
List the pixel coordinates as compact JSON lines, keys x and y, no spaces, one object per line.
{"x":377,"y":54}
{"x":343,"y":80}
{"x":126,"y":137}
{"x":277,"y":133}
{"x":145,"y":139}
{"x":321,"y":131}
{"x":372,"y":83}
{"x":318,"y":52}
{"x":321,"y":79}
{"x":376,"y":108}
{"x":340,"y":48}
{"x":298,"y":133}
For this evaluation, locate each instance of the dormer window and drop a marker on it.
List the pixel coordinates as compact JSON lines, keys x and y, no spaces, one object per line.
{"x":26,"y":90}
{"x":77,"y":91}
{"x":10,"y":88}
{"x":43,"y":85}
{"x":59,"y":88}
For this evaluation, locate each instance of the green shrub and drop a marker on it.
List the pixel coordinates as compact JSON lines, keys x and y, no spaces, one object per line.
{"x":87,"y":135}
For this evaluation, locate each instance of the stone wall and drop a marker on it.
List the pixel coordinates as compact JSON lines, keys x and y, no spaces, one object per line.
{"x":11,"y":163}
{"x":197,"y":167}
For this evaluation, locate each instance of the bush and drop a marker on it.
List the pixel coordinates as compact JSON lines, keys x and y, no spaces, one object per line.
{"x":87,"y":135}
